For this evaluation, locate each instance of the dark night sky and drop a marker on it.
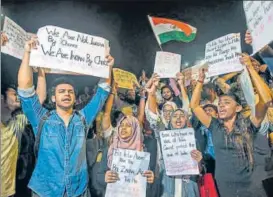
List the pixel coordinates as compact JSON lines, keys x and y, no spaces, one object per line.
{"x":126,"y":26}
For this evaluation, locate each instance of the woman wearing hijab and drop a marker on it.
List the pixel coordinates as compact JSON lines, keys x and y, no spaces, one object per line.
{"x":233,"y":136}
{"x":179,"y":186}
{"x":173,"y":118}
{"x":127,"y":135}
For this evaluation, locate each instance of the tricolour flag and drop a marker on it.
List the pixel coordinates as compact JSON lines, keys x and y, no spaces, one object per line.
{"x":166,"y":30}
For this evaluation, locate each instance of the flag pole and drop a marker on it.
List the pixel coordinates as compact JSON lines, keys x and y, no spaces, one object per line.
{"x":149,"y":19}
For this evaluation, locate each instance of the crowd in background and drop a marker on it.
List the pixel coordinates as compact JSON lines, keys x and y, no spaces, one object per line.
{"x":54,"y":143}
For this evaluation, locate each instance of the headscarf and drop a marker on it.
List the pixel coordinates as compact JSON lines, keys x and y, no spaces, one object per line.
{"x":186,"y":116}
{"x":174,"y":106}
{"x":134,"y":142}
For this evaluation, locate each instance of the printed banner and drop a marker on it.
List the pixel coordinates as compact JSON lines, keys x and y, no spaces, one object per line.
{"x":176,"y":146}
{"x":221,"y":55}
{"x":259,"y":18}
{"x":17,"y":38}
{"x":124,"y":79}
{"x":72,"y":51}
{"x":167,"y":65}
{"x":129,"y":165}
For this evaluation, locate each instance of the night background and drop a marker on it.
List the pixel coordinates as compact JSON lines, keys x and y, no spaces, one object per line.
{"x":126,"y":26}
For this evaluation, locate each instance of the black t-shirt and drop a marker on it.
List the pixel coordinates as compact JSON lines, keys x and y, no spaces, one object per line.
{"x":233,"y":170}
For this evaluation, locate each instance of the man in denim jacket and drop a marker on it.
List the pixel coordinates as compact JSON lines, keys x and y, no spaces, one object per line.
{"x":61,"y":168}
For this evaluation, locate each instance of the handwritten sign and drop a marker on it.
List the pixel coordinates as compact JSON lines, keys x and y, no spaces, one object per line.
{"x":167,"y":65}
{"x":248,"y":90}
{"x":192,"y":73}
{"x":124,"y":79}
{"x":17,"y":37}
{"x":176,"y":146}
{"x":221,"y":55}
{"x":259,"y":18}
{"x":72,"y":51}
{"x":129,"y":165}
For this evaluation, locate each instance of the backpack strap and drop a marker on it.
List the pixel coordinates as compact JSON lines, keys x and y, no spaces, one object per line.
{"x":39,"y":133}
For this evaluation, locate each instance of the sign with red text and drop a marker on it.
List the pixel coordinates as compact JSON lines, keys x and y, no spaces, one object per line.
{"x":176,"y":146}
{"x":259,"y":18}
{"x":72,"y":51}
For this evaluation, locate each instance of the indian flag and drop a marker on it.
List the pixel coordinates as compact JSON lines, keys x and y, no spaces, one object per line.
{"x":166,"y":30}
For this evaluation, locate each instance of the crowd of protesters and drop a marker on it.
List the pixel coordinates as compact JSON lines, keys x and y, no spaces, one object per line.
{"x":55,"y":143}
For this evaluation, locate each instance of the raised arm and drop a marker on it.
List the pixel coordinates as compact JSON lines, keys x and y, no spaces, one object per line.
{"x":184,"y":95}
{"x":141,"y":107}
{"x":263,"y":91}
{"x":25,"y":74}
{"x":195,"y":101}
{"x":30,"y":102}
{"x":91,"y":110}
{"x":41,"y":85}
{"x":106,"y":118}
{"x":154,"y":82}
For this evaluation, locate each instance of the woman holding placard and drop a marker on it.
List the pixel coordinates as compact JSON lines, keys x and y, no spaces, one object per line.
{"x":170,"y":186}
{"x":126,"y":135}
{"x":233,"y":135}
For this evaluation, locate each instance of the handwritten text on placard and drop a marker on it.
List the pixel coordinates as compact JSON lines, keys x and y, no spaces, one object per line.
{"x":129,"y":165}
{"x":17,"y":37}
{"x":176,"y":146}
{"x":221,"y":55}
{"x":69,"y":50}
{"x":167,"y":65}
{"x":259,"y":17}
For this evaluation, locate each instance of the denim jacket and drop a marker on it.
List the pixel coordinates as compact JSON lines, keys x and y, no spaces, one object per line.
{"x":61,"y":164}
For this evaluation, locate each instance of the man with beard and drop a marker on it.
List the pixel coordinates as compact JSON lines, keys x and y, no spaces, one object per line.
{"x":61,"y":167}
{"x":168,"y":95}
{"x":127,"y":102}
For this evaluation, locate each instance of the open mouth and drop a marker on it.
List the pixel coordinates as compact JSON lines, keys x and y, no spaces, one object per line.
{"x":66,"y":100}
{"x":123,"y":132}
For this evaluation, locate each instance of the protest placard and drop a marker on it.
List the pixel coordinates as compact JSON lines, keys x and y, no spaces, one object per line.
{"x":248,"y":90}
{"x":167,"y":65}
{"x":124,"y":79}
{"x":17,"y":37}
{"x":72,"y":51}
{"x":176,"y":146}
{"x":192,"y":73}
{"x":221,"y":55}
{"x":129,"y":165}
{"x":259,"y":18}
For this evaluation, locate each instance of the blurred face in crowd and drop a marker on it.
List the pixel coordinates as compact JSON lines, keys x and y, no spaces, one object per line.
{"x":87,"y":90}
{"x":178,"y":120}
{"x":228,"y":108}
{"x":12,"y":99}
{"x":211,"y":112}
{"x":167,"y":94}
{"x":125,"y":129}
{"x":64,"y":96}
{"x":209,"y":94}
{"x":131,"y":95}
{"x":167,"y":111}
